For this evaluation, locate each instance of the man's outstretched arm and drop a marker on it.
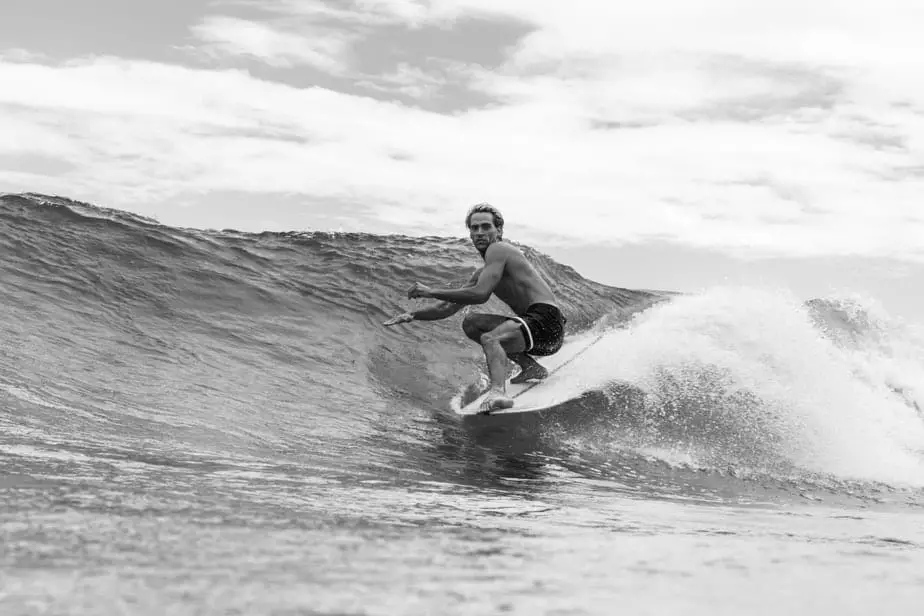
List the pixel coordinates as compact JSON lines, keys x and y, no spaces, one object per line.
{"x":434,"y":312}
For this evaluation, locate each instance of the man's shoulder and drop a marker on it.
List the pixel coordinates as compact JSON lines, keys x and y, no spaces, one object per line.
{"x":502,"y":249}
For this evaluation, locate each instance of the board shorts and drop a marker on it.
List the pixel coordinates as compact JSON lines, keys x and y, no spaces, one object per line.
{"x":543,"y":327}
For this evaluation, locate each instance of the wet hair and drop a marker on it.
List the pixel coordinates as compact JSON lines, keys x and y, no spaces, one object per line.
{"x":486,"y":208}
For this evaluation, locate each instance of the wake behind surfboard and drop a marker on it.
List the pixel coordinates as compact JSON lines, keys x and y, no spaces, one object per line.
{"x":533,"y":396}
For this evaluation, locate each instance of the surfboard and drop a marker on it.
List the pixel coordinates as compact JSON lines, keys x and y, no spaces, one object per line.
{"x":564,"y":366}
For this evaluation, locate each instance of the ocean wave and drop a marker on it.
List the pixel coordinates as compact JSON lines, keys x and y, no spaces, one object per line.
{"x":225,"y":341}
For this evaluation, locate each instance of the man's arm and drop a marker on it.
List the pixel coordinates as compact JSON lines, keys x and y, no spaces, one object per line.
{"x":435,"y":312}
{"x":480,"y":292}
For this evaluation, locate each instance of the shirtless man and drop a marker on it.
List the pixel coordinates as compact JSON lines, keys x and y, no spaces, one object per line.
{"x":539,"y":327}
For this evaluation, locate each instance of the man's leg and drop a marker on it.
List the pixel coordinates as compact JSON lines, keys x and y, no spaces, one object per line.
{"x":497,"y":344}
{"x":530,"y":369}
{"x":477,"y":325}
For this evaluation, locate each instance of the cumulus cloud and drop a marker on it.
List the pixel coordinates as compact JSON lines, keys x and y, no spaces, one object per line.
{"x":773,"y":129}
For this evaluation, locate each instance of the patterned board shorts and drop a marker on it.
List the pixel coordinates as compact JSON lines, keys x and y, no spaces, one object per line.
{"x":543,"y":327}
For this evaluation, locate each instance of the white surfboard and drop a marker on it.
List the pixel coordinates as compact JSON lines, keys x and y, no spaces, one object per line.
{"x":564,"y":366}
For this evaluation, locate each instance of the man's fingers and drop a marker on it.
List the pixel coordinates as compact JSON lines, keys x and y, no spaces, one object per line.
{"x":401,"y":318}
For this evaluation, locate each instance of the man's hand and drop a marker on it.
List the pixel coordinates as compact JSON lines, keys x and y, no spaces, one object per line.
{"x":401,"y":318}
{"x":418,"y":290}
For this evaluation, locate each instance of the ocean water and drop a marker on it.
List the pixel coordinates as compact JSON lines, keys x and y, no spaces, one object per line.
{"x":215,"y":422}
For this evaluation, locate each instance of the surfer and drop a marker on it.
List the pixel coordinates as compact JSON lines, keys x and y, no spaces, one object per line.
{"x":537,"y":330}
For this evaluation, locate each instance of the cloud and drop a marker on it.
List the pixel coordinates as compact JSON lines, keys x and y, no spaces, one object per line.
{"x":758,"y":132}
{"x":367,"y":12}
{"x":407,"y":80}
{"x":322,"y":48}
{"x":20,"y":55}
{"x":319,"y":34}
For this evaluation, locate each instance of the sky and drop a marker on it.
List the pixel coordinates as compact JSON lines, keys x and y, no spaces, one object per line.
{"x":666,"y":144}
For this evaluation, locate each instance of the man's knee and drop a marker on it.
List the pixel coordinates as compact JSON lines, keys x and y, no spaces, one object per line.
{"x":505,"y":333}
{"x":475,"y":325}
{"x":471,"y":328}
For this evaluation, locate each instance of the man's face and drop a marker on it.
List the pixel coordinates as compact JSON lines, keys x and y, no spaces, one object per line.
{"x":482,"y":230}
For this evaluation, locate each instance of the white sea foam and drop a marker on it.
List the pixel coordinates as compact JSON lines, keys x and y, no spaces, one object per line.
{"x":747,"y":376}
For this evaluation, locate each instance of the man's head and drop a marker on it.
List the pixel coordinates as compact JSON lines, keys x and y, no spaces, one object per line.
{"x":485,"y":225}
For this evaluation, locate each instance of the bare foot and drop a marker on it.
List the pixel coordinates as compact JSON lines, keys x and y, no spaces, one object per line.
{"x":533,"y":373}
{"x":496,"y":400}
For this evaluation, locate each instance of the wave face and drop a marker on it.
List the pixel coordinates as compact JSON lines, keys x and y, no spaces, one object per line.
{"x":129,"y":340}
{"x":141,"y":338}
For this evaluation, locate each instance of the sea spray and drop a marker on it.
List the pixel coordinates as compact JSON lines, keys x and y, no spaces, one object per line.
{"x":744,"y":377}
{"x":885,"y":351}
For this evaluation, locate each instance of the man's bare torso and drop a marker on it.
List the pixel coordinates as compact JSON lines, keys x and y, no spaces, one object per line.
{"x":520,"y":285}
